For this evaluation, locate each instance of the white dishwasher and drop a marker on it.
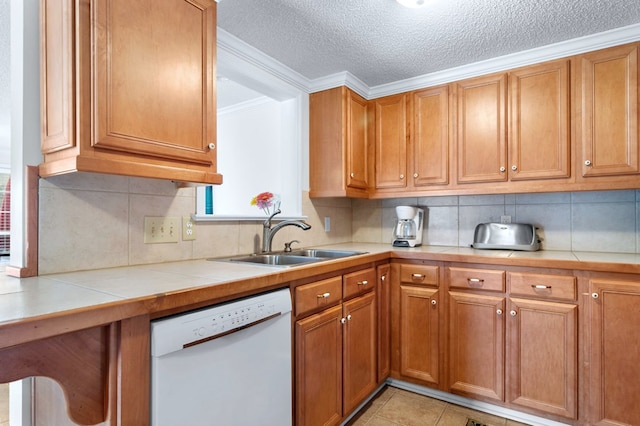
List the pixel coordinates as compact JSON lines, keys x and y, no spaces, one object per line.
{"x":228,"y":364}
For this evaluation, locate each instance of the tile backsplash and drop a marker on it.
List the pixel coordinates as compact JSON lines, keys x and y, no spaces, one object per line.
{"x":92,"y":221}
{"x":603,"y":221}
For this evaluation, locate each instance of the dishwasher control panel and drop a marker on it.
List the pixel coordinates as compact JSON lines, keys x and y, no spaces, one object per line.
{"x":184,"y":330}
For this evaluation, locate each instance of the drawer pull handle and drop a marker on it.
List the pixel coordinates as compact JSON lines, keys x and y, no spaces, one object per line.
{"x":417,"y":277}
{"x":541,"y":287}
{"x":363,"y":282}
{"x":475,"y":282}
{"x":324,"y":295}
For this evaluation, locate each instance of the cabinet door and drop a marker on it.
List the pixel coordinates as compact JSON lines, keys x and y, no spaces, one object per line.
{"x":430,"y":137}
{"x":609,"y":130}
{"x":383,"y":294}
{"x":542,"y":342}
{"x":614,"y":348}
{"x":476,"y":333}
{"x":319,"y":368}
{"x":419,"y":333}
{"x":154,"y":79}
{"x":357,"y":157}
{"x":391,"y":141}
{"x":539,"y":137}
{"x":481,"y":129}
{"x":360,"y":368}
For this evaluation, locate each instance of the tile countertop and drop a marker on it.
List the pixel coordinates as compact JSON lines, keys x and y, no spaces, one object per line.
{"x":100,"y":296}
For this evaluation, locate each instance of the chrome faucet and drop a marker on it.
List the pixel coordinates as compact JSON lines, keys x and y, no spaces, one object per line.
{"x":268,"y":232}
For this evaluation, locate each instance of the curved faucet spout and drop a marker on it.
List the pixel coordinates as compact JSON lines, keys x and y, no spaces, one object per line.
{"x":268,"y":232}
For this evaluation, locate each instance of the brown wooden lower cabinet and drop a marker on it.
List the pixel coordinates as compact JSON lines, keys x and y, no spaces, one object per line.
{"x":336,"y":353}
{"x":521,"y":351}
{"x":476,"y":350}
{"x":615,"y":352}
{"x":542,"y":350}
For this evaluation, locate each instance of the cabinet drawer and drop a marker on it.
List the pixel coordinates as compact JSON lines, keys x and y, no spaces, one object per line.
{"x":543,"y":286}
{"x":477,"y":279}
{"x":358,"y":282}
{"x":420,"y":274}
{"x":319,"y":294}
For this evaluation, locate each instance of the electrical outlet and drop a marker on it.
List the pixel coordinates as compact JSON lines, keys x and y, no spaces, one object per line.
{"x":327,"y":224}
{"x":161,"y":229}
{"x":505,"y":219}
{"x":188,"y":229}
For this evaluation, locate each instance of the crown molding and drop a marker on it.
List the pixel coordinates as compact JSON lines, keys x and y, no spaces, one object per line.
{"x":238,"y":48}
{"x":550,"y":52}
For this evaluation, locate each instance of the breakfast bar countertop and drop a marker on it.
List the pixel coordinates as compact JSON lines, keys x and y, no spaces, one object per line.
{"x":112,"y":294}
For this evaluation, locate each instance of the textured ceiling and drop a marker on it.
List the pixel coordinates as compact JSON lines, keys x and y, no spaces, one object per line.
{"x":380,"y":42}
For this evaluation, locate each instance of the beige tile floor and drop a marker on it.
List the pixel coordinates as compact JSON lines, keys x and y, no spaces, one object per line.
{"x":397,"y":407}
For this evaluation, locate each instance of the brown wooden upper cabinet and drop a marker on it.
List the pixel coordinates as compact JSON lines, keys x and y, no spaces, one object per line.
{"x":530,"y":140}
{"x":539,"y":122}
{"x":608,"y":97}
{"x":412,"y":140}
{"x":481,"y":128}
{"x":391,"y":121}
{"x":338,"y":144}
{"x":129,"y":88}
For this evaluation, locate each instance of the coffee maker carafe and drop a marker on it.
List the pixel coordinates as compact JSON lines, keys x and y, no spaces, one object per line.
{"x":408,"y":230}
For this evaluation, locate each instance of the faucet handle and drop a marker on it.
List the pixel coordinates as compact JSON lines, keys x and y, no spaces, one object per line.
{"x":287,"y":246}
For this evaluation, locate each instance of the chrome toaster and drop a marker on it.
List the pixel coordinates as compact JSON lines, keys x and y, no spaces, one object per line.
{"x":506,"y":236}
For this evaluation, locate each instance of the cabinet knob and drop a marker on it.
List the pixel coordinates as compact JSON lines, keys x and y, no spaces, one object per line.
{"x":595,"y":295}
{"x":587,"y":162}
{"x":514,"y":168}
{"x":499,"y":312}
{"x":401,"y":176}
{"x":352,"y":175}
{"x":343,"y":320}
{"x":323,"y":295}
{"x":513,"y":313}
{"x":503,"y":169}
{"x":415,"y":175}
{"x":383,"y":278}
{"x":434,"y":302}
{"x":212,"y":146}
{"x":349,"y":317}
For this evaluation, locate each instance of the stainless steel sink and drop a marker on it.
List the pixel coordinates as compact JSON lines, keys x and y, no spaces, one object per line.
{"x":280,"y":259}
{"x":324,"y":253}
{"x":293,"y":258}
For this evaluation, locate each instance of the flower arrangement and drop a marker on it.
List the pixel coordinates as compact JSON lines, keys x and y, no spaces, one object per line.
{"x":267,"y":202}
